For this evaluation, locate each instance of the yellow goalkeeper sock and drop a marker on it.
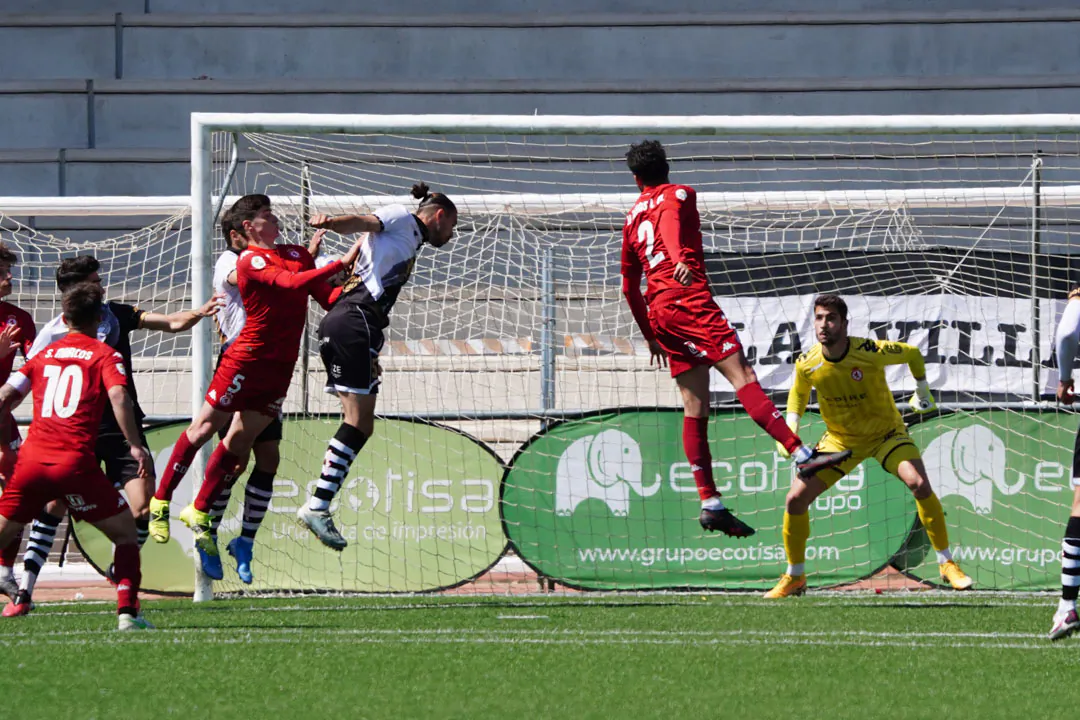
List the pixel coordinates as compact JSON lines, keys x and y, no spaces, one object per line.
{"x":933,"y":519}
{"x":796,"y":533}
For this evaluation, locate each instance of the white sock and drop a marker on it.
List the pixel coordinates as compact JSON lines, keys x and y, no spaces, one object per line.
{"x":713,"y":503}
{"x":29,"y":579}
{"x":7,"y":573}
{"x":318,"y":504}
{"x":1065,"y":606}
{"x":943,"y":556}
{"x":796,"y":570}
{"x":803,"y":454}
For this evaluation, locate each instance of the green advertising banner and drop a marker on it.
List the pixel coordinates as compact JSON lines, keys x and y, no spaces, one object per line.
{"x":419,"y":510}
{"x":1003,"y":479}
{"x":609,"y":502}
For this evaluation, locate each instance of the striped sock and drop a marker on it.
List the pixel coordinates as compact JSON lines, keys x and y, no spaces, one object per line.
{"x":142,"y":529}
{"x":257,"y":494}
{"x":217,"y":510}
{"x":1070,"y":561}
{"x":340,"y":453}
{"x":38,"y":545}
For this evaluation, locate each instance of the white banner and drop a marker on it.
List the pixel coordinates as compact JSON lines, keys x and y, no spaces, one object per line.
{"x":971,"y":344}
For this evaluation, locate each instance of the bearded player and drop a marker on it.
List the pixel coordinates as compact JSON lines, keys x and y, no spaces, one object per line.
{"x":255,"y":372}
{"x":687,"y":329}
{"x":861,"y":416}
{"x":72,"y":380}
{"x":351,"y":335}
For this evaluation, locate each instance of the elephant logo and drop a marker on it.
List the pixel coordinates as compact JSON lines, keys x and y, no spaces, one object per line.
{"x":605,"y":467}
{"x":969,"y":462}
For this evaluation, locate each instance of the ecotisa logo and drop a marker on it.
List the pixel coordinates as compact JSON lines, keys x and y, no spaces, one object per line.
{"x":605,"y":467}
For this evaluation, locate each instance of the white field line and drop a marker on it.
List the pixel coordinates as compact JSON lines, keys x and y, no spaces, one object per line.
{"x":540,"y":639}
{"x":362,"y":606}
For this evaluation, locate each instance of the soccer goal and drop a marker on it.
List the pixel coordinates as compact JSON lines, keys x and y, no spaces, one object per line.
{"x":518,"y":405}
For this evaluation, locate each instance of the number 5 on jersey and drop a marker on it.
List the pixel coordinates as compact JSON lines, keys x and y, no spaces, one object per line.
{"x":63,"y":390}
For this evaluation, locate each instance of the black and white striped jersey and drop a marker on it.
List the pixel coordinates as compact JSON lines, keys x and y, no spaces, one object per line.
{"x":385,"y":262}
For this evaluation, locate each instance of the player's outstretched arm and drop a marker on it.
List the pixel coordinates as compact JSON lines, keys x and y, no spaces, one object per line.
{"x":346,"y":224}
{"x":183,"y":320}
{"x":125,"y":418}
{"x":1066,"y":342}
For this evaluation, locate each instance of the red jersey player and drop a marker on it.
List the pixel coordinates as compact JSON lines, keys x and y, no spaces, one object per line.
{"x":71,"y":381}
{"x":686,"y":328}
{"x":255,"y":372}
{"x":24,"y":332}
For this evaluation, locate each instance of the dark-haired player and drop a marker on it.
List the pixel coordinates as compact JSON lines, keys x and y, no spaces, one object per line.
{"x":118,"y":321}
{"x":72,"y":380}
{"x":860,"y":416}
{"x":351,"y":334}
{"x":24,"y":329}
{"x":687,"y":329}
{"x":253,"y":377}
{"x":265,"y":451}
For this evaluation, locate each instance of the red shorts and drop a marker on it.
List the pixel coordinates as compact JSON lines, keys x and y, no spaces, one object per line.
{"x":84,"y":487}
{"x":693,"y":330}
{"x":250,"y":385}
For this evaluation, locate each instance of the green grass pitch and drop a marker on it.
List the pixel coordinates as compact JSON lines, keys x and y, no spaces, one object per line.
{"x":903,"y":655}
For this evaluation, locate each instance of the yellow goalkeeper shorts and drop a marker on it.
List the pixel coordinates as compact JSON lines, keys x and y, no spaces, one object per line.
{"x":889,"y":450}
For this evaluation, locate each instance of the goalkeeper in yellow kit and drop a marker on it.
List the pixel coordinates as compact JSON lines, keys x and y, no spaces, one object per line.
{"x":860,"y":415}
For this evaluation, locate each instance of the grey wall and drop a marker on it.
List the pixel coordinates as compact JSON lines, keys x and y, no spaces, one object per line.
{"x":102,"y":100}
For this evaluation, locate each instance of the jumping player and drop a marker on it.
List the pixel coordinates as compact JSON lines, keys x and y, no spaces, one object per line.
{"x":24,"y":332}
{"x":118,"y":321}
{"x":275,"y":282}
{"x":351,"y":334}
{"x":860,"y":416}
{"x":1067,"y":339}
{"x":72,"y":379}
{"x":686,"y":328}
{"x":260,"y":485}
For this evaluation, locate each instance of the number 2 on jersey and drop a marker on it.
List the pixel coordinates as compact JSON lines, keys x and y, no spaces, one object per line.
{"x":647,"y":235}
{"x":63,"y":390}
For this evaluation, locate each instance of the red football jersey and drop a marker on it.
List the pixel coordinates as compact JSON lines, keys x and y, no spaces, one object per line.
{"x":662,"y":229}
{"x":275,"y":314}
{"x":12,"y":315}
{"x":70,"y":380}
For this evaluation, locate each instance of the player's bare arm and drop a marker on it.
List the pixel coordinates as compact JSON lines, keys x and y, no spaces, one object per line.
{"x":9,"y":398}
{"x":183,"y":320}
{"x":1066,"y":341}
{"x":347,"y":224}
{"x":9,"y":340}
{"x":314,"y":244}
{"x":125,"y":418}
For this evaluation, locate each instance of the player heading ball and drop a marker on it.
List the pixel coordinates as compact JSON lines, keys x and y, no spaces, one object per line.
{"x":687,"y":329}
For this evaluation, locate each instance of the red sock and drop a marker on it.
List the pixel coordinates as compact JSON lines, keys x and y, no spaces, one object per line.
{"x":128,"y":574}
{"x":183,"y":454}
{"x":765,"y":414}
{"x":695,"y":440}
{"x":220,"y":474}
{"x":9,"y":554}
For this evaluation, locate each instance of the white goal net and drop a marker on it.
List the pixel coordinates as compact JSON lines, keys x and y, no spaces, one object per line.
{"x":521,"y":430}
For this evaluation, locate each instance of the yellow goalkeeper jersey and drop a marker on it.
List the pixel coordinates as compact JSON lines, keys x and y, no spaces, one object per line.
{"x":855,"y":401}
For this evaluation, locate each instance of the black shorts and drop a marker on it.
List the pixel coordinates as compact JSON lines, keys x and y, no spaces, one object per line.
{"x":349,"y":342}
{"x":113,"y":450}
{"x":271,"y":433}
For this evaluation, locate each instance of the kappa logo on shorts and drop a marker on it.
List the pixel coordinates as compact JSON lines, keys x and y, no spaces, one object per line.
{"x":694,"y":350}
{"x":728,"y":346}
{"x":212,"y":395}
{"x":856,"y":374}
